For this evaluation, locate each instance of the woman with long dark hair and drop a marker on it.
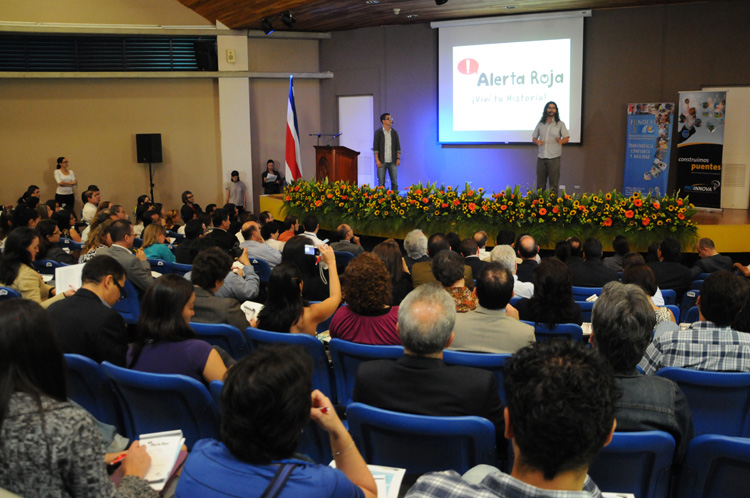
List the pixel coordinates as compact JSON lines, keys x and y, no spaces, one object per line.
{"x":552,"y":302}
{"x":66,"y":220}
{"x":286,"y":310}
{"x":66,"y":181}
{"x":300,"y":251}
{"x":49,"y":446}
{"x":165,"y":343}
{"x":401,"y":284}
{"x":49,"y":236}
{"x":21,"y":248}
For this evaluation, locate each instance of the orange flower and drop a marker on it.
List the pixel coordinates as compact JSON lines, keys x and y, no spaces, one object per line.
{"x":472,"y":206}
{"x":656,"y":205}
{"x":542,"y":211}
{"x":608,"y":222}
{"x":296,"y":188}
{"x":444,"y":205}
{"x":412,"y":201}
{"x":425,"y":200}
{"x":645,"y":221}
{"x":417,"y":192}
{"x":679,"y":202}
{"x":456,"y":202}
{"x":681,"y":216}
{"x":555,"y":210}
{"x":289,"y":197}
{"x":503,"y":207}
{"x":470,"y":192}
{"x":344,"y":197}
{"x":318,"y":203}
{"x":638,"y":202}
{"x":629,"y":213}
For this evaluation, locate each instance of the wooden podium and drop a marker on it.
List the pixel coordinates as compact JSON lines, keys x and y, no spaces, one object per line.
{"x":336,"y":163}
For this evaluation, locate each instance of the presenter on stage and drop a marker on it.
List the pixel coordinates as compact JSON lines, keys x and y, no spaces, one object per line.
{"x":387,"y":150}
{"x":550,"y":134}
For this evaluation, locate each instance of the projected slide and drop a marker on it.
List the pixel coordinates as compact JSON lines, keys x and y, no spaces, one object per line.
{"x":496,"y":86}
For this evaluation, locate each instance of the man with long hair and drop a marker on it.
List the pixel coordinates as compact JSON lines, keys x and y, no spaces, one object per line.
{"x":550,"y":134}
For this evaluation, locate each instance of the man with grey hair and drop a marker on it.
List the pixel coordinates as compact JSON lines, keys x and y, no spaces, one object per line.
{"x":506,"y":256}
{"x":710,"y":260}
{"x":415,"y":245}
{"x":348,"y":242}
{"x":621,"y":322}
{"x":420,"y":382}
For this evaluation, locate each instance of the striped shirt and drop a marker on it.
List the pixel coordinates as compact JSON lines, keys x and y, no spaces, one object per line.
{"x":704,"y":346}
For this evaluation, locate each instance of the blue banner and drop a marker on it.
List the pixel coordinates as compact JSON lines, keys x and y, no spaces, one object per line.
{"x":647,"y":148}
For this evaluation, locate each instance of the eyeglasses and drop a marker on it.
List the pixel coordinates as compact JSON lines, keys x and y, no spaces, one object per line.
{"x":122,"y":291}
{"x":64,"y":162}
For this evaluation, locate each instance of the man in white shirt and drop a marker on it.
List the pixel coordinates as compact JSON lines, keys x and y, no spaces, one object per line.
{"x":91,"y":199}
{"x":507,"y":257}
{"x":312,"y":225}
{"x":550,"y":134}
{"x":387,"y":148}
{"x":257,"y":247}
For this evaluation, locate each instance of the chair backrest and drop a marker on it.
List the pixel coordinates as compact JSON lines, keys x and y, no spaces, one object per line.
{"x":513,"y":300}
{"x":689,"y":298}
{"x":421,"y":443}
{"x":215,"y":388}
{"x":262,"y":269}
{"x":703,"y":276}
{"x":637,"y":463}
{"x":670,"y":296}
{"x":46,"y":266}
{"x":342,"y":260}
{"x":719,"y":401}
{"x":175,"y":235}
{"x":129,"y":306}
{"x":692,"y":315}
{"x":586,"y":308}
{"x":90,"y":388}
{"x":180,"y":268}
{"x":325,"y":324}
{"x":322,"y":373}
{"x":495,"y":363}
{"x":160,"y":265}
{"x":559,"y":331}
{"x":715,"y":466}
{"x":70,"y":244}
{"x":675,"y":311}
{"x":137,"y":242}
{"x":228,"y":337}
{"x":696,"y":284}
{"x":582,"y":293}
{"x":161,"y":402}
{"x":347,"y":356}
{"x":8,"y":293}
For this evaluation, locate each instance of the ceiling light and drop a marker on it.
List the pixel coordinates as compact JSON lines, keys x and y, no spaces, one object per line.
{"x":412,"y":16}
{"x":266,"y":25}
{"x":372,"y":2}
{"x":287,"y":19}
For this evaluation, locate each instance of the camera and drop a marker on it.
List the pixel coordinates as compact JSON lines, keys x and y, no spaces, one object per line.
{"x":311,"y":250}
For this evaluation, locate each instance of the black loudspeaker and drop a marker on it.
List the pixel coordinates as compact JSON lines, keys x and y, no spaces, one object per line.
{"x":149,"y":147}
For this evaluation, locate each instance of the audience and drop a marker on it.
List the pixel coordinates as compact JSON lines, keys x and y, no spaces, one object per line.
{"x":710,"y":260}
{"x":66,"y":220}
{"x":311,"y":226}
{"x":621,"y":247}
{"x":421,"y":272}
{"x":470,"y":251}
{"x":16,"y":271}
{"x":368,"y":317}
{"x":172,"y":220}
{"x":51,"y":447}
{"x":49,"y":236}
{"x":528,"y":251}
{"x":98,"y":238}
{"x":711,"y":343}
{"x":561,"y":412}
{"x":137,"y":269}
{"x":480,"y":238}
{"x":210,"y":269}
{"x":505,"y":255}
{"x":420,"y":382}
{"x":154,"y":243}
{"x":448,"y":269}
{"x":670,"y":274}
{"x":190,"y":210}
{"x":85,"y":323}
{"x":266,"y":403}
{"x":622,"y":322}
{"x":415,"y":245}
{"x":348,"y":242}
{"x":291,"y":227}
{"x":91,"y":200}
{"x":270,"y":233}
{"x":395,"y":263}
{"x":299,"y":251}
{"x":642,"y":276}
{"x":493,"y":327}
{"x":575,"y":251}
{"x":286,"y":310}
{"x":552,"y":302}
{"x":220,"y":234}
{"x":185,"y":252}
{"x":165,"y":343}
{"x":257,"y":247}
{"x":592,"y":272}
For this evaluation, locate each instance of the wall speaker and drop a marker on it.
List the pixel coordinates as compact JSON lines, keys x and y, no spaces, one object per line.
{"x":148,"y":147}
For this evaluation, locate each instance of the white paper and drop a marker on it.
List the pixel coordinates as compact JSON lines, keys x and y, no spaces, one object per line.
{"x":163,"y":448}
{"x":68,"y":277}
{"x":251,"y":309}
{"x":387,"y":479}
{"x":271,"y":177}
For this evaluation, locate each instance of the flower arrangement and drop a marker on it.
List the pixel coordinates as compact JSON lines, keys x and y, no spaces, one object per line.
{"x":541,"y":213}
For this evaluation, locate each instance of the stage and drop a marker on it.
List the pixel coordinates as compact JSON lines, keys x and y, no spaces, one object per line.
{"x":728,"y":228}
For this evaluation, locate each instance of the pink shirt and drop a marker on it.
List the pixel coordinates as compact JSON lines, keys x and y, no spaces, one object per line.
{"x":380,"y":329}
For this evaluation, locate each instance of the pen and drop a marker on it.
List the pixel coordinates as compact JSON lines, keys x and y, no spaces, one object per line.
{"x":119,"y":459}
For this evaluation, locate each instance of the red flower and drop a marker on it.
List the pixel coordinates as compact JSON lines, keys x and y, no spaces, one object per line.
{"x":637,"y":202}
{"x":330,"y":196}
{"x":472,"y":206}
{"x":484,"y":206}
{"x":456,"y":202}
{"x":470,"y":192}
{"x":389,"y":192}
{"x":503,"y":207}
{"x":681,"y":216}
{"x":289,"y":197}
{"x":645,"y":221}
{"x":296,"y":188}
{"x":629,"y":213}
{"x":608,"y":222}
{"x":542,"y":211}
{"x":412,"y":201}
{"x":344,"y":197}
{"x":444,"y":205}
{"x":417,"y":192}
{"x":555,"y":209}
{"x":656,"y":205}
{"x":679,"y":202}
{"x":442,"y":192}
{"x":318,"y":203}
{"x":425,"y":200}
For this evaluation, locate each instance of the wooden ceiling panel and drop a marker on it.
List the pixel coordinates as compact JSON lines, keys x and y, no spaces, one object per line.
{"x":338,"y":15}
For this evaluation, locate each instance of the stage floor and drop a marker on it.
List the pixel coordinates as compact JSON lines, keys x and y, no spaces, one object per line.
{"x":728,"y":228}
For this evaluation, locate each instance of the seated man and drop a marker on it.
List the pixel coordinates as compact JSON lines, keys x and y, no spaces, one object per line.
{"x":528,"y":251}
{"x":137,"y":269}
{"x":348,"y":242}
{"x":220,"y":234}
{"x":421,"y":272}
{"x":86,"y":324}
{"x":256,"y":247}
{"x":710,"y":260}
{"x":560,"y":413}
{"x":480,"y":238}
{"x":670,"y":274}
{"x":470,"y":251}
{"x":592,"y":272}
{"x":210,"y":268}
{"x":621,"y":248}
{"x":622,"y":322}
{"x":419,"y":382}
{"x":506,"y":256}
{"x":184,"y":252}
{"x":711,"y":343}
{"x":415,"y":245}
{"x":488,"y":329}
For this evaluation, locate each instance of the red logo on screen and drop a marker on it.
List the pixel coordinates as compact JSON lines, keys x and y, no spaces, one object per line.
{"x":468,"y":66}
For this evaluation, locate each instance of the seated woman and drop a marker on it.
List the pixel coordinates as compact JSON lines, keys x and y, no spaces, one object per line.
{"x":367,"y":318}
{"x":49,"y":446}
{"x":165,"y":343}
{"x":66,"y":220}
{"x":98,"y":238}
{"x":401,"y":283}
{"x":172,"y":220}
{"x":643,"y":276}
{"x":286,"y":310}
{"x":21,"y":248}
{"x":49,"y":237}
{"x":448,"y":269}
{"x":154,"y":237}
{"x":265,"y":405}
{"x":313,"y":274}
{"x":552,"y":302}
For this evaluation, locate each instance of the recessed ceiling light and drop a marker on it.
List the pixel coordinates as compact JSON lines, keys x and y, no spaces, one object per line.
{"x":510,"y":7}
{"x":412,"y":16}
{"x":372,"y":2}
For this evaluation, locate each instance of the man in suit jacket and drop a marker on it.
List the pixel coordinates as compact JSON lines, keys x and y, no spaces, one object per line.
{"x":669,"y":273}
{"x":421,"y":273}
{"x":470,"y":251}
{"x":488,"y":328}
{"x":210,"y":268}
{"x":420,"y":382}
{"x":711,"y":260}
{"x":137,"y":269}
{"x":85,"y":324}
{"x":220,"y":235}
{"x":592,"y":272}
{"x":527,"y":251}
